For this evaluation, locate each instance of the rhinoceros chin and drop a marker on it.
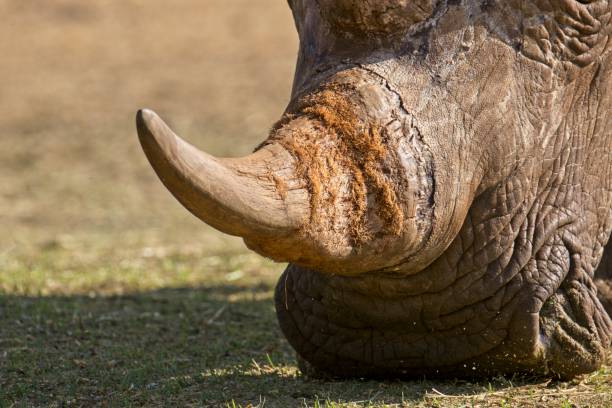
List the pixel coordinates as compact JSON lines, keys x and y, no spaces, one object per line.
{"x":440,"y":183}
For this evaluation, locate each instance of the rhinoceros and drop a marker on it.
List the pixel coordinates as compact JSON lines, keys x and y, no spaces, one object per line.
{"x":440,"y":185}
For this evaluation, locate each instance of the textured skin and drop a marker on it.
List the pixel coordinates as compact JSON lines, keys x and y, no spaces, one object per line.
{"x":603,"y":278}
{"x":512,"y":101}
{"x":441,"y":184}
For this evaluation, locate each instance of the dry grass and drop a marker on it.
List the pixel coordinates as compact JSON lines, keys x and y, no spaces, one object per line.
{"x":74,"y":74}
{"x":110,"y":293}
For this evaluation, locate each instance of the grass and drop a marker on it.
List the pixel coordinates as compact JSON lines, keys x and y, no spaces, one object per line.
{"x":157,"y":327}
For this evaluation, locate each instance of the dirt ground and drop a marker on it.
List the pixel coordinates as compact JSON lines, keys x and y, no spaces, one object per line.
{"x":111,"y":294}
{"x":74,"y":74}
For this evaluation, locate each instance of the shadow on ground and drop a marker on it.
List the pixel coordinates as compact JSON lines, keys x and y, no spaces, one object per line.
{"x":187,"y":346}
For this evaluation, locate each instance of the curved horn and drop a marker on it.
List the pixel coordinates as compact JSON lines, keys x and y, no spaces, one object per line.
{"x":236,"y":196}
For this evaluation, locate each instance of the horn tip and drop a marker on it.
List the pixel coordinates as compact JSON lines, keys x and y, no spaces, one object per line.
{"x":153,"y":132}
{"x":145,"y":120}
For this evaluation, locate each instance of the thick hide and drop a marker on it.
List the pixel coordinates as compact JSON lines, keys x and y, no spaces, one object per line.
{"x":440,"y":183}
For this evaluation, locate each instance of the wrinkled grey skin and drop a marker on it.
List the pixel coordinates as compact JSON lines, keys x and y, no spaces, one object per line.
{"x":441,"y":184}
{"x":518,"y":105}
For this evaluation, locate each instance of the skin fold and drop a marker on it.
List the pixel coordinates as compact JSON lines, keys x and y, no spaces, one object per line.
{"x":441,"y":184}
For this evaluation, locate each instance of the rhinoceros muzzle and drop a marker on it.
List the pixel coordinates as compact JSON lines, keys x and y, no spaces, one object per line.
{"x":440,"y":183}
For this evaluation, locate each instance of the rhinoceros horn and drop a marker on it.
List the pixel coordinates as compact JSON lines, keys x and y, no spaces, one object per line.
{"x":234,"y":196}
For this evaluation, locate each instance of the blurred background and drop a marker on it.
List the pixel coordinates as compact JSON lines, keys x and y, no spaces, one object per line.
{"x":74,"y":72}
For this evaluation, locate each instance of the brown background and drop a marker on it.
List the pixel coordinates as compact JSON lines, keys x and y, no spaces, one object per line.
{"x":73,"y":75}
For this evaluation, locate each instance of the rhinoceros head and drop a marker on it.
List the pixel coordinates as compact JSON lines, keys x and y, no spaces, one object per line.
{"x":441,"y":183}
